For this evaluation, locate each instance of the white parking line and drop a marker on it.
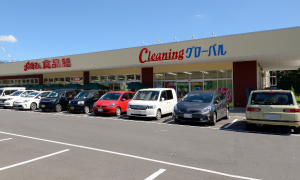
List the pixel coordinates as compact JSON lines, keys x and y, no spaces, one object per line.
{"x":25,"y":162}
{"x":156,"y":174}
{"x":133,"y":156}
{"x":5,"y":139}
{"x":231,"y":123}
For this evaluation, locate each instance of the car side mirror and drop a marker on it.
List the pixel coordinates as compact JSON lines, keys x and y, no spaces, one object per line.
{"x":123,"y":99}
{"x":162,"y":99}
{"x":216,"y":102}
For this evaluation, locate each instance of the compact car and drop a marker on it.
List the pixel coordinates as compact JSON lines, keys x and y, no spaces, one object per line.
{"x":202,"y":106}
{"x":152,"y":102}
{"x":113,"y":102}
{"x":58,"y":100}
{"x":84,"y":101}
{"x":8,"y":101}
{"x":30,"y":101}
{"x":273,"y":107}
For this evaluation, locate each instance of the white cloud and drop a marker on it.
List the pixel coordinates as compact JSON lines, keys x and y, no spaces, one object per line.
{"x":199,"y":16}
{"x":9,"y":38}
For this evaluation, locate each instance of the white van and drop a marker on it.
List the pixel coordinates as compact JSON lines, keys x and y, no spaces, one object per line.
{"x":152,"y":102}
{"x":6,"y":91}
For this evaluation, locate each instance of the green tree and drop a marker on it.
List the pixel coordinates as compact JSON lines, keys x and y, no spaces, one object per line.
{"x":124,"y":86}
{"x":288,"y":79}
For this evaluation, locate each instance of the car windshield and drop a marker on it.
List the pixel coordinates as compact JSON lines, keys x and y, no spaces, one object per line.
{"x":17,"y":93}
{"x":31,"y":95}
{"x":84,"y":95}
{"x":147,"y":95}
{"x":1,"y":91}
{"x":55,"y":94}
{"x":111,"y":96}
{"x":198,"y":97}
{"x":272,"y":98}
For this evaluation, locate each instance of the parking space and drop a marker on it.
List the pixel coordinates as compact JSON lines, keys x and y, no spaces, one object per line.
{"x":50,"y":145}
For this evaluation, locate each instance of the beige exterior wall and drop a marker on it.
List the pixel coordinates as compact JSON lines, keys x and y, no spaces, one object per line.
{"x":116,"y":72}
{"x":240,"y":47}
{"x":193,"y":67}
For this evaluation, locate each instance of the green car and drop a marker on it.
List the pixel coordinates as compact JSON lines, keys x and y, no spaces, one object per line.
{"x":273,"y":107}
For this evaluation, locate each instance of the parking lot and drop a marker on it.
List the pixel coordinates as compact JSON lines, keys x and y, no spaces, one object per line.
{"x":49,"y":145}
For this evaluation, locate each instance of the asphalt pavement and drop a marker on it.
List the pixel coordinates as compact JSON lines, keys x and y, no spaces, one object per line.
{"x":49,"y":145}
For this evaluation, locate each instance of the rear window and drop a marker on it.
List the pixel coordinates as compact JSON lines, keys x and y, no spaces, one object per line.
{"x":274,"y":98}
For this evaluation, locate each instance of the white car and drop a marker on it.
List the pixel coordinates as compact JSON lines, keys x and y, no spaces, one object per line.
{"x":30,"y":101}
{"x":152,"y":102}
{"x":8,"y":101}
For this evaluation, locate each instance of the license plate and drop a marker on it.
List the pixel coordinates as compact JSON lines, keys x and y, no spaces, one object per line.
{"x":272,"y":116}
{"x":187,"y":115}
{"x":137,"y":112}
{"x":100,"y":110}
{"x":72,"y":108}
{"x":42,"y":106}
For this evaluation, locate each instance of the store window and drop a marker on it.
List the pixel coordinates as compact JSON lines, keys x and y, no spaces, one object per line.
{"x":61,"y":80}
{"x":36,"y":81}
{"x":196,"y":86}
{"x":130,"y":77}
{"x":68,"y":80}
{"x":210,"y":74}
{"x":182,"y":89}
{"x":120,"y":78}
{"x":116,"y":86}
{"x":170,"y":76}
{"x":12,"y":81}
{"x":6,"y":81}
{"x":137,"y":77}
{"x":46,"y":81}
{"x":111,"y":78}
{"x":51,"y":80}
{"x":170,"y":85}
{"x":197,"y":75}
{"x":103,"y":78}
{"x":225,"y":86}
{"x":159,"y":84}
{"x":183,"y":75}
{"x":159,"y":76}
{"x":222,"y":74}
{"x":211,"y":85}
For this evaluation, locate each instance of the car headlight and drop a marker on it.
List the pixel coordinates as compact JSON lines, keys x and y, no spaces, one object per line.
{"x":128,"y":106}
{"x":69,"y":102}
{"x":94,"y":104}
{"x":151,"y":107}
{"x":80,"y":102}
{"x":175,"y":108}
{"x":112,"y":105}
{"x":206,"y":109}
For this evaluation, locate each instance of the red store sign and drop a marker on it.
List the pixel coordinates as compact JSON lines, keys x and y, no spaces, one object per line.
{"x":148,"y":56}
{"x":46,"y":64}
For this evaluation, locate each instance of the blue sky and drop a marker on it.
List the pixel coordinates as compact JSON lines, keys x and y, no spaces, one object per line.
{"x":50,"y":28}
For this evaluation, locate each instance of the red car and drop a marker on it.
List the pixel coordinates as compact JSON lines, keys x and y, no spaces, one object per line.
{"x":113,"y":102}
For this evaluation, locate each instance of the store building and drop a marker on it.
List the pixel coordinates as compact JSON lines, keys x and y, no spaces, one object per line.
{"x":231,"y":64}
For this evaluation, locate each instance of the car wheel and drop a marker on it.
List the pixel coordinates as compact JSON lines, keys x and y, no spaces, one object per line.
{"x":296,"y":130}
{"x":158,"y":115}
{"x":86,"y":109}
{"x":118,"y":111}
{"x":227,"y":114}
{"x":58,"y":108}
{"x":33,"y":106}
{"x":214,"y":120}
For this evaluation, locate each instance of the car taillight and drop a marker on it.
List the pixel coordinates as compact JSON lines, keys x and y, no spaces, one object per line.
{"x":291,"y":110}
{"x":253,"y":109}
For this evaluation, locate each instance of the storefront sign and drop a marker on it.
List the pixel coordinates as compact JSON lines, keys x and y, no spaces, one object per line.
{"x":214,"y":50}
{"x":46,"y":64}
